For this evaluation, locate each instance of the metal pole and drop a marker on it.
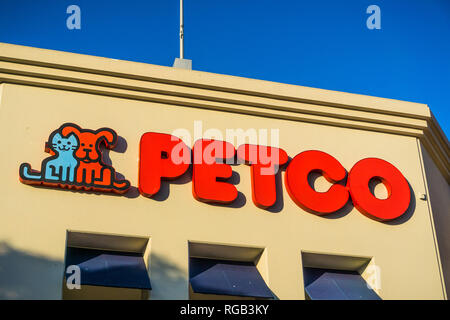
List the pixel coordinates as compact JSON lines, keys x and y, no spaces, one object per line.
{"x":181,"y":31}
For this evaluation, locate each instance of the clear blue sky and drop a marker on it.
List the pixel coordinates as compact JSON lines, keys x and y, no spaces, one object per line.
{"x":316,"y":43}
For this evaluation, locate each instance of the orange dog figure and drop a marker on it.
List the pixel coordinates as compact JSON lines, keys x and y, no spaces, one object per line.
{"x":92,"y":173}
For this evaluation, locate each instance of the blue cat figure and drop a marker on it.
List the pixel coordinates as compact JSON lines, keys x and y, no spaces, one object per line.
{"x":58,"y":168}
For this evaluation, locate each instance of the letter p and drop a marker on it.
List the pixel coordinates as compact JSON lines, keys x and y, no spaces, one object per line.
{"x":160,"y":156}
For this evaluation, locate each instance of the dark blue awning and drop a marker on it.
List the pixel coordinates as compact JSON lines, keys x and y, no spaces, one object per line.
{"x":109,"y":268}
{"x":325,"y":284}
{"x":224,"y":277}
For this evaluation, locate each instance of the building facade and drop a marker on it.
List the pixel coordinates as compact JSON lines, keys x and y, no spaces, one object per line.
{"x":44,"y":227}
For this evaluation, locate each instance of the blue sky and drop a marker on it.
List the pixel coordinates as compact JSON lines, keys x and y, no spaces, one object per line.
{"x":316,"y":43}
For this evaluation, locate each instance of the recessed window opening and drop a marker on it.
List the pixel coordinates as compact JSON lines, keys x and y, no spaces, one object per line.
{"x":105,"y":266}
{"x":334,"y":277}
{"x":227,"y":272}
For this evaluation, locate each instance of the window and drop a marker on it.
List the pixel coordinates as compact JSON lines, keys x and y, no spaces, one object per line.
{"x":334,"y":277}
{"x":328,"y":284}
{"x":109,"y":266}
{"x":226,"y":272}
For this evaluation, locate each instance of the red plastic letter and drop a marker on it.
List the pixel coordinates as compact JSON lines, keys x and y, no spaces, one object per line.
{"x":160,"y":156}
{"x":320,"y":203}
{"x":264,"y":162}
{"x":399,"y":195}
{"x":206,"y":171}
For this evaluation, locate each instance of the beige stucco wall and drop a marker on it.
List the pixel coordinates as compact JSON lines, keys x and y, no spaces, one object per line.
{"x":34,"y":220}
{"x":439,"y":201}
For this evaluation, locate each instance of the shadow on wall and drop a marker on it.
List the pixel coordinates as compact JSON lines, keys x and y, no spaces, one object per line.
{"x":168,"y":280}
{"x":27,"y":276}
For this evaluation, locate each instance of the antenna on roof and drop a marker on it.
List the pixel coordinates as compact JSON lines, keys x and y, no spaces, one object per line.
{"x":181,"y":62}
{"x":181,"y":31}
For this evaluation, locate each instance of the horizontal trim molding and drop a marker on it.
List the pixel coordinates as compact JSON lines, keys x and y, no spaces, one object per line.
{"x":177,"y":87}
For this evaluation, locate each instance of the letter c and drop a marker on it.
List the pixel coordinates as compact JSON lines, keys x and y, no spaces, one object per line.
{"x":296,"y":180}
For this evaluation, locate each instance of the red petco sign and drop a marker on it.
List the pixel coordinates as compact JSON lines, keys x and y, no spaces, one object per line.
{"x":163,"y":156}
{"x":76,"y":163}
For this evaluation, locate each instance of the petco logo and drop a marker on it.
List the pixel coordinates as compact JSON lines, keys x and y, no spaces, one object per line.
{"x":76,"y":163}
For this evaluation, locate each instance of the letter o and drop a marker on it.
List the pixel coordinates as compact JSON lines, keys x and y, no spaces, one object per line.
{"x":296,"y":180}
{"x":399,"y":195}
